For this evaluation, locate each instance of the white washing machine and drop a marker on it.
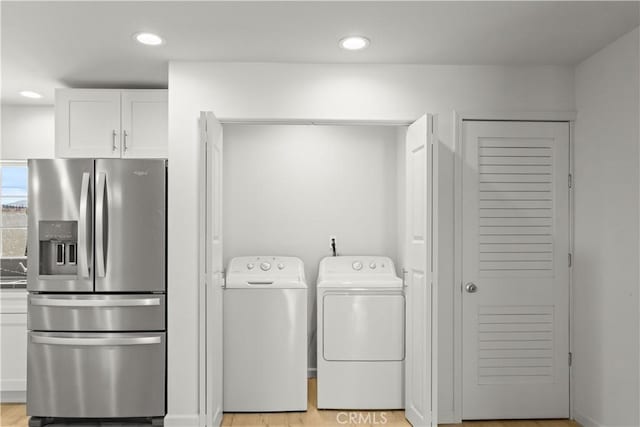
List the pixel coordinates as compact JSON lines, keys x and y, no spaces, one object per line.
{"x":361,"y":320}
{"x":265,"y":335}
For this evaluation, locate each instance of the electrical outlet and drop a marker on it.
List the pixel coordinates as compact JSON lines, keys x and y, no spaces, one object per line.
{"x":333,"y":240}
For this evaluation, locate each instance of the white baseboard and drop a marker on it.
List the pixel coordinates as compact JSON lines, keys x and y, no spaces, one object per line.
{"x":171,"y":420}
{"x":217,"y":421}
{"x":586,"y":421}
{"x":448,"y":418}
{"x":11,"y":396}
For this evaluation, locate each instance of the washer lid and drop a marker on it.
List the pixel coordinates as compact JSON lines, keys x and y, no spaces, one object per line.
{"x":266,"y":272}
{"x":358,"y":271}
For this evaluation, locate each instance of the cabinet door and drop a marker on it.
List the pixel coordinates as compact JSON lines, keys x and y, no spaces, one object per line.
{"x":13,"y":345}
{"x":87,"y":123}
{"x":144,"y":124}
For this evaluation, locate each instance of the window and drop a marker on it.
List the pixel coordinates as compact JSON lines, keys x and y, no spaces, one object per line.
{"x":13,"y":222}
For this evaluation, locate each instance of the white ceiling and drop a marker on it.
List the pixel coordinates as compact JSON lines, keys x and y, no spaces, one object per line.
{"x":89,"y":44}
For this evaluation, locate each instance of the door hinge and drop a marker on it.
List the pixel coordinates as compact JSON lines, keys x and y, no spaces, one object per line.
{"x":205,"y":134}
{"x":570,"y":260}
{"x":433,"y":133}
{"x":570,"y":181}
{"x":570,"y":358}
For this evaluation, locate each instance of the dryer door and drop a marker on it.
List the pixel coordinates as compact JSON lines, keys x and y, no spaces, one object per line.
{"x":363,"y":327}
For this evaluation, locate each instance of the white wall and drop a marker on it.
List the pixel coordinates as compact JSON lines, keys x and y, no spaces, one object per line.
{"x":288,"y":188}
{"x":327,"y":91}
{"x":27,"y":132}
{"x":605,"y":274}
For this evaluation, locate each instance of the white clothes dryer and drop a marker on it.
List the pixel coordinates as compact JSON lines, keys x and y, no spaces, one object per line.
{"x":265,"y":335}
{"x":361,"y":339}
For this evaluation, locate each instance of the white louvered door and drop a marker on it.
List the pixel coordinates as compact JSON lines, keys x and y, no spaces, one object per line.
{"x":515,"y":221}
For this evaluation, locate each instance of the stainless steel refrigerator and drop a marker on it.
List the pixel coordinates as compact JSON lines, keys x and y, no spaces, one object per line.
{"x":97,"y":289}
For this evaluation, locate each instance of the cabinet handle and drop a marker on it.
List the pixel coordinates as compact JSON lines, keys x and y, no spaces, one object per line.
{"x":114,"y":135}
{"x":124,"y":139}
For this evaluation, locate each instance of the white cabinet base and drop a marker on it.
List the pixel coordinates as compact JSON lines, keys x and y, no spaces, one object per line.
{"x":13,"y":346}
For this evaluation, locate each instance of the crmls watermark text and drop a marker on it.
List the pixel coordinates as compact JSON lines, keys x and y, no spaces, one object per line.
{"x":361,"y":417}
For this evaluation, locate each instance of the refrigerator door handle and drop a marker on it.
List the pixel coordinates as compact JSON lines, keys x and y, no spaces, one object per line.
{"x":100,"y":224}
{"x":36,"y":339}
{"x":84,"y":226}
{"x":66,"y":302}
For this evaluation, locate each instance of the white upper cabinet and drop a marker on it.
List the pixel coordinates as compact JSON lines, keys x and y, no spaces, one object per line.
{"x":144,"y":123}
{"x":111,"y":123}
{"x":87,"y":123}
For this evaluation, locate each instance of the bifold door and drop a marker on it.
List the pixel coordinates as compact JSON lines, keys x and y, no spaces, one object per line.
{"x":420,"y":277}
{"x":515,"y":222}
{"x":211,"y":268}
{"x":420,"y":262}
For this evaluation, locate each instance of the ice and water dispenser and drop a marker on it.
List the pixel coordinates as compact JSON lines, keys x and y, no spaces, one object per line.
{"x":58,"y":247}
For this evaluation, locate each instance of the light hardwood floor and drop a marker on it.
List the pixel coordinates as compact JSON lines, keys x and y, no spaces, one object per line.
{"x":14,"y":415}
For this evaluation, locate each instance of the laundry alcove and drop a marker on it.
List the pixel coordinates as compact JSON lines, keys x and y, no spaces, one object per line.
{"x":283,"y":188}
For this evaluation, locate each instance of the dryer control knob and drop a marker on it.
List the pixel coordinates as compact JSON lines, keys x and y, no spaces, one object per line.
{"x":280,"y":266}
{"x":372,"y":266}
{"x":265,"y":266}
{"x":250,"y":266}
{"x":357,"y":265}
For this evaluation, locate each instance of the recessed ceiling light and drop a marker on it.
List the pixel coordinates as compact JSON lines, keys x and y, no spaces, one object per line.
{"x":354,"y":42}
{"x":149,"y":39}
{"x":30,"y":94}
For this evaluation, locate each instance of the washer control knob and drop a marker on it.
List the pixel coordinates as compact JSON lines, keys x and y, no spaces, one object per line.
{"x":280,"y":266}
{"x":250,"y":266}
{"x":265,"y":266}
{"x":357,"y":265}
{"x":372,"y":265}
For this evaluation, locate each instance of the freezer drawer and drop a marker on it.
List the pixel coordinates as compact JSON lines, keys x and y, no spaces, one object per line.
{"x":63,"y":312}
{"x":96,"y":375}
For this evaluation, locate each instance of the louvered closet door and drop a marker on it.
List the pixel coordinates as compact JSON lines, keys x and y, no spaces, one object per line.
{"x":515,"y":214}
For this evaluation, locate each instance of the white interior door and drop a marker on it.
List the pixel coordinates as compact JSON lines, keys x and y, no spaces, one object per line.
{"x":212,"y":275}
{"x":419,"y":266}
{"x":515,"y":274}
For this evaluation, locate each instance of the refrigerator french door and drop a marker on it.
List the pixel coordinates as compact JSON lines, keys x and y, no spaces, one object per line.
{"x":97,"y":282}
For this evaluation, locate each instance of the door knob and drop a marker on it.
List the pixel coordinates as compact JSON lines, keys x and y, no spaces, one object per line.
{"x":471,"y":287}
